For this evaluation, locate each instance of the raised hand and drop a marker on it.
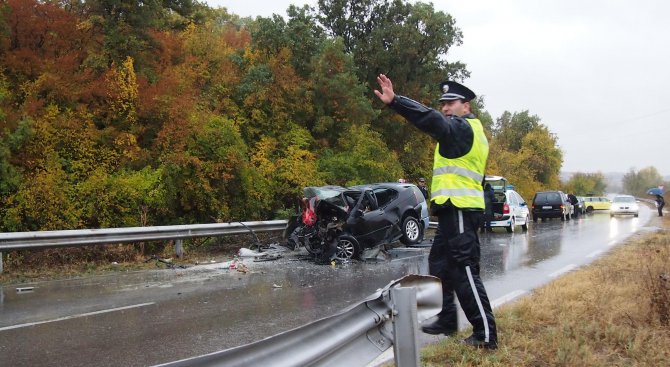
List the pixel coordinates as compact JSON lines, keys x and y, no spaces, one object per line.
{"x":386,"y":95}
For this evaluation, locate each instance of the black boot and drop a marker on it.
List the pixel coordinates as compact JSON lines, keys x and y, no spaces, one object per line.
{"x":440,"y":327}
{"x":474,"y":342}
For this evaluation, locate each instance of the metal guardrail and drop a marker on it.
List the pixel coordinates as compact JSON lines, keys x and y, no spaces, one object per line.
{"x":12,"y":241}
{"x":353,"y":337}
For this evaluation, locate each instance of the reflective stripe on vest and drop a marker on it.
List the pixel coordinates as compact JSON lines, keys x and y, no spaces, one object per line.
{"x":460,"y":179}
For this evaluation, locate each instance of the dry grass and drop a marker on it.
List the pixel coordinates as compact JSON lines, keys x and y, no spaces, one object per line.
{"x":615,"y":312}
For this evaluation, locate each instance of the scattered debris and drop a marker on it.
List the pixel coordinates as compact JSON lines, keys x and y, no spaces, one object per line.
{"x":24,"y":289}
{"x":269,"y":253}
{"x":276,"y":286}
{"x":168,"y":262}
{"x":245,"y":252}
{"x":242,"y":268}
{"x":268,"y":257}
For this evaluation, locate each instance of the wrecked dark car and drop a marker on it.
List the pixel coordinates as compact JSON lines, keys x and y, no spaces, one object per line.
{"x":341,"y":222}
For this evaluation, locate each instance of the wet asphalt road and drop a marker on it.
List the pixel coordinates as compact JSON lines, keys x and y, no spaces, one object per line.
{"x":146,"y":318}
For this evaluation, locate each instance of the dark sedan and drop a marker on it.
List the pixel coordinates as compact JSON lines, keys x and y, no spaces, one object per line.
{"x":339,"y":223}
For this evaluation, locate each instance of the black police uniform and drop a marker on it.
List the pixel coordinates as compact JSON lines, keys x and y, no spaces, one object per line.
{"x":459,"y":273}
{"x":424,"y":191}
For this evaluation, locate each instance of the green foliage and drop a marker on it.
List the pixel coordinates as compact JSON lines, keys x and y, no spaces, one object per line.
{"x":581,"y":184}
{"x":510,"y":129}
{"x":128,"y":26}
{"x":300,"y":34}
{"x":123,"y":199}
{"x":285,"y":165}
{"x":525,"y":152}
{"x":542,"y":156}
{"x":203,"y":177}
{"x":363,"y":158}
{"x":42,"y":202}
{"x":407,"y":41}
{"x":638,"y":182}
{"x":339,"y":98}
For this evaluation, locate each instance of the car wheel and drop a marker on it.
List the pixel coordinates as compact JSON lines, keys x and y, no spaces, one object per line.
{"x":635,"y":215}
{"x":524,"y":226}
{"x":589,"y":209}
{"x":412,"y":232}
{"x":347,"y":248}
{"x":511,"y":226}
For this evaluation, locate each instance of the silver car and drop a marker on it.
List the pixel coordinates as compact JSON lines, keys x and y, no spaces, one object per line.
{"x":624,"y":205}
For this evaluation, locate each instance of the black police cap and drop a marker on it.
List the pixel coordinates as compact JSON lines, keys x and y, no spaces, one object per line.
{"x":452,"y":91}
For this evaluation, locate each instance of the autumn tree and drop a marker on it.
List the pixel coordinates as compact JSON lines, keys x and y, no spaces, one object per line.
{"x":526,"y":152}
{"x":582,"y":184}
{"x":362,"y":158}
{"x":128,"y":26}
{"x":300,"y":34}
{"x":339,"y":98}
{"x":638,"y":182}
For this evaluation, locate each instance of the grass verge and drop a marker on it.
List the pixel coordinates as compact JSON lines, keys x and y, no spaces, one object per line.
{"x":614,"y":312}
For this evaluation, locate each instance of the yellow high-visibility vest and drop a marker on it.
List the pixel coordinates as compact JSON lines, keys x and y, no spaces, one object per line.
{"x":460,"y":179}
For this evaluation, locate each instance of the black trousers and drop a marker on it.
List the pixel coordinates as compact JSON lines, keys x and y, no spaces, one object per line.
{"x":454,"y":258}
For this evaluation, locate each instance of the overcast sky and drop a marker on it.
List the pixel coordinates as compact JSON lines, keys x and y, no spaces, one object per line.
{"x":597,"y":72}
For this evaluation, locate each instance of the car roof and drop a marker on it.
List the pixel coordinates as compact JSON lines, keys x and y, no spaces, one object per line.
{"x":494,"y":178}
{"x":395,"y":185}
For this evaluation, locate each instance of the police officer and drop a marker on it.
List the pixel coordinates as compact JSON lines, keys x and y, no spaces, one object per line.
{"x":422,"y":187}
{"x":457,"y":200}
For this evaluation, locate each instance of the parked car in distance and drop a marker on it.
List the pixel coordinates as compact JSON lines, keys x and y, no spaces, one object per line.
{"x":580,"y":208}
{"x":596,"y":203}
{"x":340,"y":222}
{"x":551,"y":204}
{"x":624,"y":205}
{"x":509,"y":208}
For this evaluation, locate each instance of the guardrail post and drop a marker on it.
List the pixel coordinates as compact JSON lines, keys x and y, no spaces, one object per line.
{"x":178,"y":248}
{"x":0,"y":262}
{"x":405,"y":326}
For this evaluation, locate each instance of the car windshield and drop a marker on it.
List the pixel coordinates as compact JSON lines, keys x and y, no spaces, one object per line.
{"x":331,"y":194}
{"x":624,"y":199}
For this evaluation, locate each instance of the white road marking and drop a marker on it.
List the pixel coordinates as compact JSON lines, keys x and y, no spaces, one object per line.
{"x":562,"y":270}
{"x":594,"y":254}
{"x":507,"y":298}
{"x":75,"y":316}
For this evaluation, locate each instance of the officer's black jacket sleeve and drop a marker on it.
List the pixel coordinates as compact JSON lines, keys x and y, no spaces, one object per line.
{"x":454,"y":134}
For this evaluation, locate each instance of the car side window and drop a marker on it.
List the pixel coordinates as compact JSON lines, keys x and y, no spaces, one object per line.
{"x":519,"y":198}
{"x":513,"y":200}
{"x":384,"y":196}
